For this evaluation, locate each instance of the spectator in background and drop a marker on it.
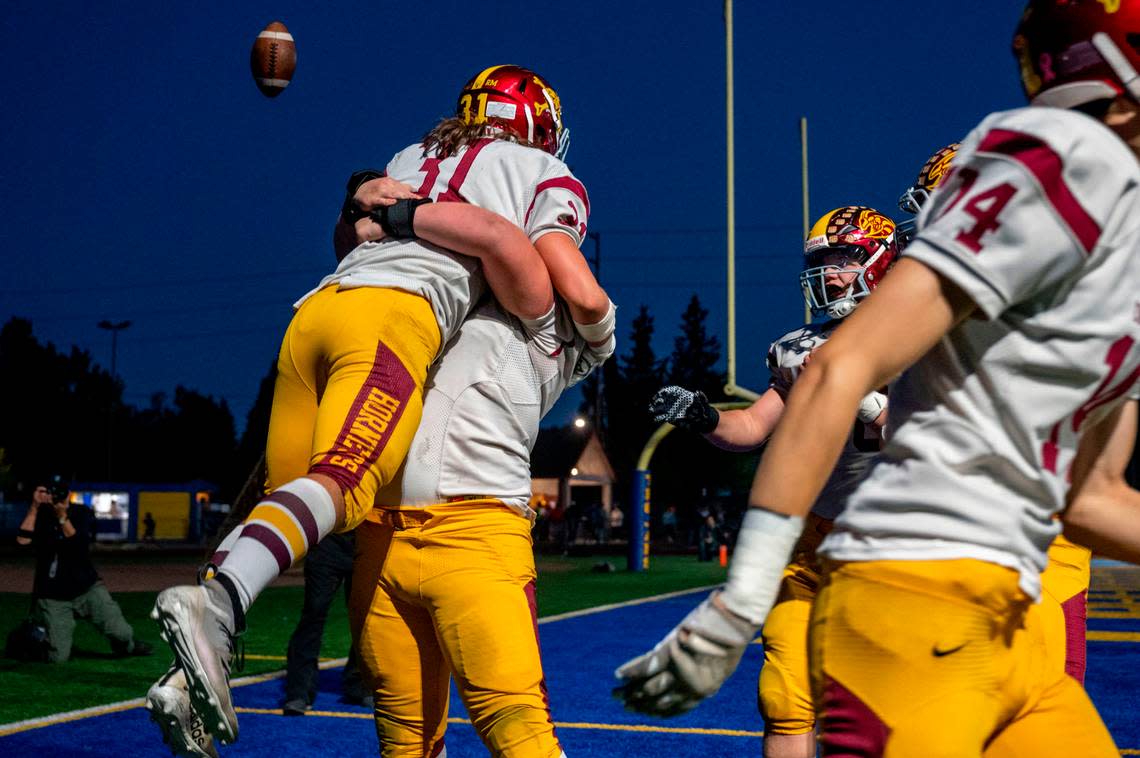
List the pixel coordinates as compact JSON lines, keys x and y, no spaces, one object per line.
{"x":327,"y":567}
{"x":148,"y":527}
{"x":599,"y":524}
{"x":707,"y":538}
{"x":669,"y":524}
{"x":66,"y":584}
{"x":617,"y":521}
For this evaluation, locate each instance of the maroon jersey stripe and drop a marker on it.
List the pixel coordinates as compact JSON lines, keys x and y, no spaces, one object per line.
{"x":452,"y":193}
{"x":272,"y":542}
{"x":564,"y":182}
{"x":1041,"y":161}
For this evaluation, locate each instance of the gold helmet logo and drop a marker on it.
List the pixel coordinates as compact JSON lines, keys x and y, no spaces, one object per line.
{"x":875,"y":224}
{"x":937,"y":167}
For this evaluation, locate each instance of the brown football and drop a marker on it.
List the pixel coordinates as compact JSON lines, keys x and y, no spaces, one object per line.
{"x":272,"y":59}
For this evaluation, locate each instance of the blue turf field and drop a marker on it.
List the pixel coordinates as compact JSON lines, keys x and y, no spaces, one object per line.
{"x":579,"y":654}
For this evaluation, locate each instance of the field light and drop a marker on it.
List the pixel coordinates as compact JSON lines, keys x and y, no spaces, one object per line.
{"x":579,"y":423}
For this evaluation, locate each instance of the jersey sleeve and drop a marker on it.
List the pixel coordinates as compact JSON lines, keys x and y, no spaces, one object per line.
{"x":780,"y":378}
{"x":560,"y":204}
{"x":1013,"y":219}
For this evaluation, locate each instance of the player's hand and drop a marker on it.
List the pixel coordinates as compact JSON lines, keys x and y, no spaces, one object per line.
{"x":382,"y":191}
{"x":689,"y":664}
{"x":591,"y":358}
{"x":684,"y":409}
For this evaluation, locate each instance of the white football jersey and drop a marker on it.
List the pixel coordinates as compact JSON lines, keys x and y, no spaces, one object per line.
{"x":785,"y":362}
{"x":1040,"y":224}
{"x":482,"y":406}
{"x":530,"y":187}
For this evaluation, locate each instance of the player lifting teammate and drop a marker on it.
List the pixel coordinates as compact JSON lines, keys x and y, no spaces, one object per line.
{"x":352,"y":366}
{"x":847,"y":253}
{"x":1013,"y":315}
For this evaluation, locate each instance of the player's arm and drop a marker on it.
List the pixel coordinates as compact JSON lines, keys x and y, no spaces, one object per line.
{"x":1104,"y":511}
{"x":572,"y":278}
{"x":515,"y":272}
{"x":737,"y":430}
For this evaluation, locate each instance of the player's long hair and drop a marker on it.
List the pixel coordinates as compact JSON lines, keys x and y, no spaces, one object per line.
{"x":451,"y":134}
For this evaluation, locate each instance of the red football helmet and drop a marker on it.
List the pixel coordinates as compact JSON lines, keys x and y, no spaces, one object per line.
{"x":846,"y":254}
{"x":1072,"y":52}
{"x":519,"y":101}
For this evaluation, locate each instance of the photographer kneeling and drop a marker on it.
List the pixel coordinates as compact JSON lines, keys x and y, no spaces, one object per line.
{"x":66,"y":584}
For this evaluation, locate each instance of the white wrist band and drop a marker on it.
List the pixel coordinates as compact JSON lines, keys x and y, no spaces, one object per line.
{"x":763,"y":549}
{"x":871,"y":406}
{"x":602,"y":330}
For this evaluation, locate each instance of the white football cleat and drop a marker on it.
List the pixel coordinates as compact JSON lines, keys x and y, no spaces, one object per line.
{"x":198,"y":624}
{"x":168,"y":701}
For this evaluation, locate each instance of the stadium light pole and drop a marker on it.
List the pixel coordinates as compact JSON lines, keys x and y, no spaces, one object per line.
{"x":114,"y":327}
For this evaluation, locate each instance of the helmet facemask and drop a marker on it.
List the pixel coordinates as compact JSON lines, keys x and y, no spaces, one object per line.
{"x":835,"y":279}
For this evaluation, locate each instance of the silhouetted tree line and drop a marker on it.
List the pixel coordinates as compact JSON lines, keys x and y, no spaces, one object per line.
{"x":62,"y":412}
{"x":686,"y":470}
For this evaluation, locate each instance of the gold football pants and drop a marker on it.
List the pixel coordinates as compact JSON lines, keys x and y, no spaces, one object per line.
{"x":448,"y":591}
{"x":349,"y":390}
{"x":785,"y":686}
{"x":941,"y":658}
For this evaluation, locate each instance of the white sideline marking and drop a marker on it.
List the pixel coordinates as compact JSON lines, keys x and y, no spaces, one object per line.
{"x":123,"y":705}
{"x":624,"y":604}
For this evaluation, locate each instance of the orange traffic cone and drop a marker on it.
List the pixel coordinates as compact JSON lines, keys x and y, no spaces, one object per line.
{"x":723,"y":556}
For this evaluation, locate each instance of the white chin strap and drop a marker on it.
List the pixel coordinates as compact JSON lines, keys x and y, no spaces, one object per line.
{"x":1119,"y":64}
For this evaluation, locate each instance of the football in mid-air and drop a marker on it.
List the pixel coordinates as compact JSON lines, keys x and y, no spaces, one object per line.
{"x":273,"y":59}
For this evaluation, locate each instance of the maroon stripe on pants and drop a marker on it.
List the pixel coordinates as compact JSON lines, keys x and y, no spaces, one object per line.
{"x":849,"y":728}
{"x":300,"y":511}
{"x":370,"y":421}
{"x":1076,"y":623}
{"x":218,"y":557}
{"x":272,"y":542}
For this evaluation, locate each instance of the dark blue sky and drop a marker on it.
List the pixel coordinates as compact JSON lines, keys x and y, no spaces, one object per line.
{"x":145,"y":178}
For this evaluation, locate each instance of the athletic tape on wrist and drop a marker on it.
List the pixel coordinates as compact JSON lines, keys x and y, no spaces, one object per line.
{"x":763,"y":549}
{"x":871,"y":406}
{"x":601,"y":330}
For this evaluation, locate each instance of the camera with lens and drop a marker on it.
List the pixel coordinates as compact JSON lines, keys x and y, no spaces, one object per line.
{"x":59,"y":489}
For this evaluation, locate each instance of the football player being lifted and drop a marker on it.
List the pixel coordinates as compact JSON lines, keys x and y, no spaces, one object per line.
{"x":352,"y":366}
{"x":1012,"y":321}
{"x":1065,"y":581}
{"x":847,"y":254}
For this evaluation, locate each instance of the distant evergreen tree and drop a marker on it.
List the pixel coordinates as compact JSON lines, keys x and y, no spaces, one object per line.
{"x":696,"y":354}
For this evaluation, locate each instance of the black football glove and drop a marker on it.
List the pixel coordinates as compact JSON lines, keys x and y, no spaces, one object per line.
{"x":684,"y":409}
